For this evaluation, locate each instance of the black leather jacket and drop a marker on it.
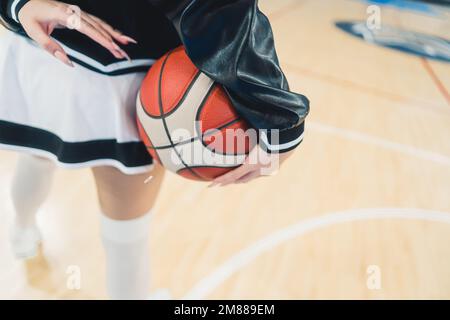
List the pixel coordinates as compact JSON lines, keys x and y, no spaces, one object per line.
{"x":232,"y":42}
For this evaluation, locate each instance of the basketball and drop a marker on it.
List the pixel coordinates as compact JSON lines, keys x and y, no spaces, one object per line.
{"x":187,"y":121}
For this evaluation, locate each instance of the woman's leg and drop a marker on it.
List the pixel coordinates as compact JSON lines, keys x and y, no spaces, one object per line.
{"x":126,"y":202}
{"x":30,"y":187}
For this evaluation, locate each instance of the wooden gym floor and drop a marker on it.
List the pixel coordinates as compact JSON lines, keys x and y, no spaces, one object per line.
{"x":362,"y":210}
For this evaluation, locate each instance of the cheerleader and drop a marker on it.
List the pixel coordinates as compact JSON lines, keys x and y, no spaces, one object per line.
{"x":80,"y":111}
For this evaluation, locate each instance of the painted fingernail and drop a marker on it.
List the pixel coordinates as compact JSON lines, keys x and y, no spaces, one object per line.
{"x":129,"y":39}
{"x":63,"y":58}
{"x":117,"y":54}
{"x":212,"y":185}
{"x":115,"y":46}
{"x":126,"y":55}
{"x":121,"y":51}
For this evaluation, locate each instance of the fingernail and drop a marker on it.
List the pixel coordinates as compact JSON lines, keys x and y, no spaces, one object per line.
{"x":212,"y":185}
{"x":129,"y":39}
{"x":115,"y":46}
{"x":116,"y":54}
{"x":126,"y":55}
{"x":121,"y":51}
{"x":63,"y":58}
{"x":122,"y":54}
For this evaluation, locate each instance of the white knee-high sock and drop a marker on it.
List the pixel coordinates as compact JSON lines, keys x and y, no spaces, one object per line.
{"x":30,"y":187}
{"x":126,"y":244}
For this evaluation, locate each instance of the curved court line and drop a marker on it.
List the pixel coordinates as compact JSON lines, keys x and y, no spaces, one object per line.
{"x":386,"y":144}
{"x":436,"y":80}
{"x":247,"y":255}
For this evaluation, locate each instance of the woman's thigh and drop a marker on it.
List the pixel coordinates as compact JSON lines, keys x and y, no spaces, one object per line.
{"x":124,"y":197}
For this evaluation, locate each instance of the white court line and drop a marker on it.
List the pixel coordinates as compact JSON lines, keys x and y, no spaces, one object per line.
{"x":386,"y":144}
{"x":205,"y":286}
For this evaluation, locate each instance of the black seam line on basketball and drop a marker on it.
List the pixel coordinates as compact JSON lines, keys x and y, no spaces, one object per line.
{"x":163,"y":118}
{"x":183,"y":98}
{"x":150,"y":140}
{"x":197,"y":117}
{"x":195,"y":138}
{"x":211,"y":167}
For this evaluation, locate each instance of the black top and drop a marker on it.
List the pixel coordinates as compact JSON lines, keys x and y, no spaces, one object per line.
{"x":229,"y":40}
{"x":138,"y":19}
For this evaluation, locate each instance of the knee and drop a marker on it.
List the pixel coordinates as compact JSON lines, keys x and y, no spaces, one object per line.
{"x":31,"y":183}
{"x":120,"y":206}
{"x":124,"y":197}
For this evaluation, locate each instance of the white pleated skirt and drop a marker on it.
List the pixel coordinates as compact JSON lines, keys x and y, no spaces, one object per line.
{"x":74,"y":116}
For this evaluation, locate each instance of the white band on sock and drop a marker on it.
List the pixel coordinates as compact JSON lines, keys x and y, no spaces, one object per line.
{"x":126,"y":231}
{"x":126,"y":244}
{"x":30,"y":187}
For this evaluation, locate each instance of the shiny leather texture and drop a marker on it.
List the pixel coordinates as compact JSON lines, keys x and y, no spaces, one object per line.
{"x":232,"y":42}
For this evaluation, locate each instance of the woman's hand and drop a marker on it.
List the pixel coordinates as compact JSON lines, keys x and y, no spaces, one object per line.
{"x":40,"y":17}
{"x":257,"y":164}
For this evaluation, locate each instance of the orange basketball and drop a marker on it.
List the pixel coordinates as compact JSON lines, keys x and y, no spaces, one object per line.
{"x":187,"y":121}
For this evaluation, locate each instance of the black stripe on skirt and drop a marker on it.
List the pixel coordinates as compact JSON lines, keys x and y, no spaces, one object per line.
{"x":130,"y":154}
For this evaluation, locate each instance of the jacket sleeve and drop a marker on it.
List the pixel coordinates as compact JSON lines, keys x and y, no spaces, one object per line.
{"x":232,"y":42}
{"x":9,"y":12}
